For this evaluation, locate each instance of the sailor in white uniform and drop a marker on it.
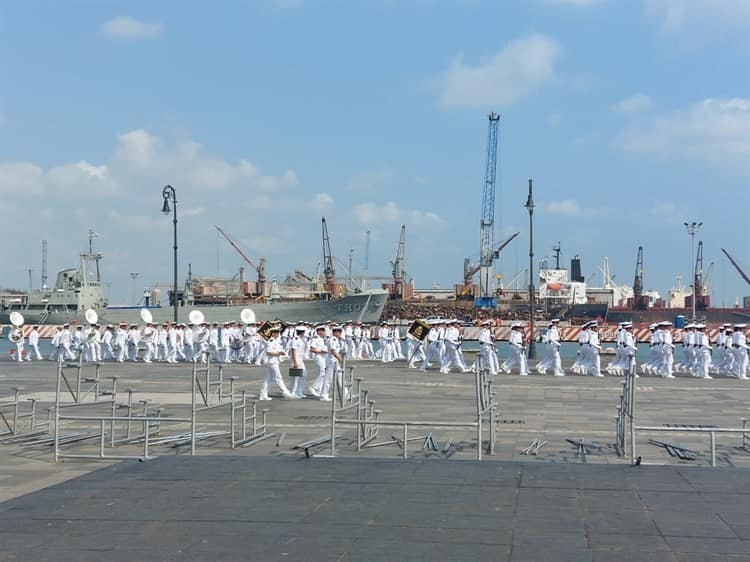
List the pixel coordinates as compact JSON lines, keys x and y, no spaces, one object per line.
{"x":16,"y":336}
{"x":740,"y":347}
{"x":274,"y":352}
{"x":334,"y":361}
{"x":452,"y":349}
{"x":595,"y":347}
{"x":297,"y":357}
{"x":433,"y":348}
{"x":487,"y":356}
{"x":319,"y":353}
{"x":34,"y":344}
{"x":107,"y":339}
{"x":704,"y":352}
{"x":516,"y":351}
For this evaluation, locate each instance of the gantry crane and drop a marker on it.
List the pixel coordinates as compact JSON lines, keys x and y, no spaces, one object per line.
{"x":399,"y":264}
{"x":487,"y":222}
{"x":260,"y":269}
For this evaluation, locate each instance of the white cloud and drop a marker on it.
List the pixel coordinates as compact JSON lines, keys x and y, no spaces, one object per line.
{"x":82,"y":178}
{"x":125,"y":27}
{"x":716,"y":131}
{"x":514,"y":72}
{"x":713,"y":17}
{"x":189,"y":165}
{"x":634,"y":104}
{"x":568,"y":207}
{"x":321,"y":202}
{"x":369,"y":180}
{"x":666,"y":211}
{"x":371,"y":214}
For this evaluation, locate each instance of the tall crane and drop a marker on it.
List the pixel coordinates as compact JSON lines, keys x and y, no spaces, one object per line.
{"x":398,"y":265}
{"x":470,"y":270}
{"x":639,"y":302}
{"x":259,"y":269}
{"x":328,"y":270}
{"x":487,"y":221}
{"x":699,"y":292}
{"x":737,"y":267}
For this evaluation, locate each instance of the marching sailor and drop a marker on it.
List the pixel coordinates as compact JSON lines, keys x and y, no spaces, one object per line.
{"x":34,"y":344}
{"x":297,"y":361}
{"x":107,"y":337}
{"x":516,"y":351}
{"x":739,"y":344}
{"x":319,"y":353}
{"x":274,"y":352}
{"x":16,"y":336}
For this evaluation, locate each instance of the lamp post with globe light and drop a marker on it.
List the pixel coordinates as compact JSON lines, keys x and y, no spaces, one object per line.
{"x":169,"y":193}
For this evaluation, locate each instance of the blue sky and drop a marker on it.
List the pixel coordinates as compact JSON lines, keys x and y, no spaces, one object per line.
{"x":631,"y":116}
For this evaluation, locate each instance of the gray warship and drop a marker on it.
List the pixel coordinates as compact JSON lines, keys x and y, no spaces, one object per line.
{"x":297,"y":298}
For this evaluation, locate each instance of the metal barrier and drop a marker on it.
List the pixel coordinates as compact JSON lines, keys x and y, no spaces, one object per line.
{"x":235,"y":404}
{"x":627,"y":409}
{"x":348,"y":395}
{"x":75,"y":388}
{"x":14,"y":427}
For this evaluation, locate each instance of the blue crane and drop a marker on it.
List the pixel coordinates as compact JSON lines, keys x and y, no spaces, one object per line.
{"x":487,"y":223}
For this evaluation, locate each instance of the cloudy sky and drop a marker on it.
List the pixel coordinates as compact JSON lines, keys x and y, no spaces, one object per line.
{"x":631,"y":117}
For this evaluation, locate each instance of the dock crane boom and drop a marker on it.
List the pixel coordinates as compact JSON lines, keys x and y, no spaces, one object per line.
{"x":328,"y":270}
{"x":487,"y":221}
{"x":259,"y":269}
{"x":399,"y":265}
{"x":470,"y":270}
{"x":737,"y":267}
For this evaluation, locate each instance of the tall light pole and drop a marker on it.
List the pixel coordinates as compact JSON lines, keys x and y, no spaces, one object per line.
{"x":134,"y":276}
{"x":168,"y":193}
{"x":532,"y":300}
{"x":692,"y":230}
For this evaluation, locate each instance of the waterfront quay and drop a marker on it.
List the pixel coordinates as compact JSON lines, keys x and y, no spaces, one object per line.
{"x":575,"y":499}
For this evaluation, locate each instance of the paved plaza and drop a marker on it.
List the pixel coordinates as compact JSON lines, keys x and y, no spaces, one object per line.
{"x":565,"y":503}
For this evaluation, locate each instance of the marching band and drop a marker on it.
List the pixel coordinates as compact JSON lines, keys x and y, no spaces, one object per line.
{"x":437,"y":342}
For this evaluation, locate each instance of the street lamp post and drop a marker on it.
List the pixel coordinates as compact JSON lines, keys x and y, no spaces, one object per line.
{"x":134,"y":276}
{"x":169,"y":193}
{"x":692,"y":230}
{"x":532,"y":300}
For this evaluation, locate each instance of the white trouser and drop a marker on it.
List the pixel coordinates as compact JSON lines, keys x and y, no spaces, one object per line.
{"x":273,"y":376}
{"x":298,"y":383}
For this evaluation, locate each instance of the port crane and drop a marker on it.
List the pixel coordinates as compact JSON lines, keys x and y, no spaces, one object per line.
{"x":328,"y":271}
{"x":471,"y":269}
{"x":639,"y":301}
{"x":487,"y":222}
{"x":700,"y":289}
{"x":737,"y":266}
{"x":260,"y":269}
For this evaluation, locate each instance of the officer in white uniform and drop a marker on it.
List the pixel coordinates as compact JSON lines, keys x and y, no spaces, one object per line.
{"x":34,"y":344}
{"x":517,"y":351}
{"x":297,"y":356}
{"x":274,"y":352}
{"x":319,"y":353}
{"x":334,"y":362}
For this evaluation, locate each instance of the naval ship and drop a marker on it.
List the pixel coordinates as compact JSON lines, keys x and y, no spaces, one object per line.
{"x":79,"y":289}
